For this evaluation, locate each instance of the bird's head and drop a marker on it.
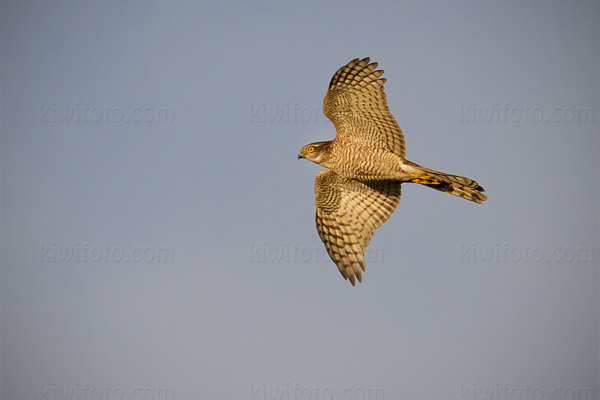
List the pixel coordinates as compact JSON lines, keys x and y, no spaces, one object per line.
{"x":317,"y":152}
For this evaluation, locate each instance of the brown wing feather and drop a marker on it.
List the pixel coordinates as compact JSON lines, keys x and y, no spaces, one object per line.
{"x":348,"y":214}
{"x":356,"y":104}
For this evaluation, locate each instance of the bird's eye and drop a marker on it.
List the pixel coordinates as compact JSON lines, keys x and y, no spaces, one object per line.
{"x":310,"y":149}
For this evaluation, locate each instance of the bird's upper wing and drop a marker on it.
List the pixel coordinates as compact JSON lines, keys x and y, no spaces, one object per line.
{"x":348,"y":214}
{"x":356,"y":104}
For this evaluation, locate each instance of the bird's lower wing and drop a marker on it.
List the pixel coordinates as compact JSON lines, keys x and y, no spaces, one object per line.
{"x":348,"y":214}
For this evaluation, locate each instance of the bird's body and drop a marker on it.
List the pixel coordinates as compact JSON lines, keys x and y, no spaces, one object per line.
{"x":366,"y":166}
{"x":366,"y":163}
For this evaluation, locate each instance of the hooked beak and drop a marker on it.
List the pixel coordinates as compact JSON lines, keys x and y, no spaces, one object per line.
{"x":300,"y":155}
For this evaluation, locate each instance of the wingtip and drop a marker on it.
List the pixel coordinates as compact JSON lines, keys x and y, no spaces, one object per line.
{"x":355,"y":276}
{"x":352,"y":279}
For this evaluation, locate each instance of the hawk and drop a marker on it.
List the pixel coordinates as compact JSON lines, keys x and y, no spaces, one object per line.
{"x":366,"y":166}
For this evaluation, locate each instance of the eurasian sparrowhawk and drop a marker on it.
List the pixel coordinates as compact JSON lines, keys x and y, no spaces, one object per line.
{"x":366,"y":166}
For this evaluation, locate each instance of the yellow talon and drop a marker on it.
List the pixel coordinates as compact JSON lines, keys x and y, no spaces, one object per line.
{"x":425,"y":179}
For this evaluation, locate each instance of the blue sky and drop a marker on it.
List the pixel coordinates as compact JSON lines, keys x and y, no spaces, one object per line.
{"x":157,"y":231}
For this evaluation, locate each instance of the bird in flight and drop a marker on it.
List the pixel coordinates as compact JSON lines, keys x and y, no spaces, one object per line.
{"x":366,"y":166}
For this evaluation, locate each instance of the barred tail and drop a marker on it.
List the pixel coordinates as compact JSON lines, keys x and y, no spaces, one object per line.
{"x":452,"y":184}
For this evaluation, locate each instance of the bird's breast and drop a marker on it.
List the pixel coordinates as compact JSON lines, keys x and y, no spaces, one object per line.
{"x":366,"y":163}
